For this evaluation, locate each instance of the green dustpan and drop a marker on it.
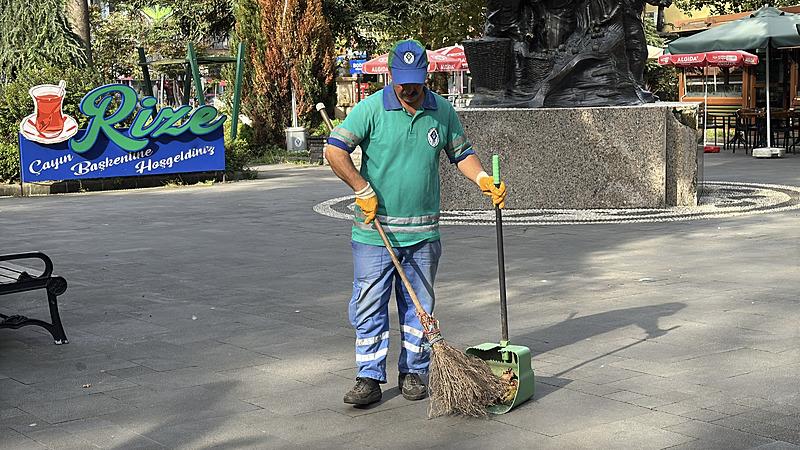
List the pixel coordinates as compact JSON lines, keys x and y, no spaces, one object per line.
{"x":504,"y":356}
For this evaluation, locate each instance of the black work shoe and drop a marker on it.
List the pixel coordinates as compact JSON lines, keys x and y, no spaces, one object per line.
{"x":412,"y":386}
{"x":365,"y":392}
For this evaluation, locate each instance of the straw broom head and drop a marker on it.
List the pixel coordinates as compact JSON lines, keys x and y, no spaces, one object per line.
{"x":460,"y":384}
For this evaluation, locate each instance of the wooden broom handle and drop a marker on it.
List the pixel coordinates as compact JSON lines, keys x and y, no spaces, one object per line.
{"x":406,"y":283}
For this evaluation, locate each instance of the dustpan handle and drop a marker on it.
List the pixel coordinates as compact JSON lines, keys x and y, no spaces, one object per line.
{"x":501,"y":265}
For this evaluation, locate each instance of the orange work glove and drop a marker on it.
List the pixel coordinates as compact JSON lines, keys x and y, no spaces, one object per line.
{"x":497,"y":193}
{"x":368,"y":202}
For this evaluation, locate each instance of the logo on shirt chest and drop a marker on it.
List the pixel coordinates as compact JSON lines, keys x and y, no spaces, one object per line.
{"x":433,"y":137}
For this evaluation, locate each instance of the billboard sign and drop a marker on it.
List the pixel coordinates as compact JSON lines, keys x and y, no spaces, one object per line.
{"x":155,"y":141}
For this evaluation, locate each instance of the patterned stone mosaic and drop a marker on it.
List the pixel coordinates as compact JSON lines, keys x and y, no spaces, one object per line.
{"x":719,"y":199}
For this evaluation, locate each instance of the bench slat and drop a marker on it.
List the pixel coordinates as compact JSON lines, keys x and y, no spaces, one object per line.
{"x":9,"y":268}
{"x":8,"y":276}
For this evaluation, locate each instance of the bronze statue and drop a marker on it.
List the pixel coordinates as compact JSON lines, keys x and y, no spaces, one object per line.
{"x":561,"y":53}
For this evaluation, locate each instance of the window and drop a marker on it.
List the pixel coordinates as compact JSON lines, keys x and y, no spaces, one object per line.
{"x":721,"y":82}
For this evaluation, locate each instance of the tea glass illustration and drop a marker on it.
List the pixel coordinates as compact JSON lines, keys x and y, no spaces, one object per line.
{"x":48,"y":99}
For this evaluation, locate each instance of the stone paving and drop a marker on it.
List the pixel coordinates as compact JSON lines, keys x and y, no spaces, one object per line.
{"x":215,"y":317}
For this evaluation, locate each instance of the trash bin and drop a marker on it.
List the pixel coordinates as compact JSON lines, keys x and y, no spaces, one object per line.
{"x":296,"y":139}
{"x":316,"y":147}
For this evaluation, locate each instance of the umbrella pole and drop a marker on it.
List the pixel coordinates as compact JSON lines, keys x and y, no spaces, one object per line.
{"x":769,"y":122}
{"x":705,"y":107}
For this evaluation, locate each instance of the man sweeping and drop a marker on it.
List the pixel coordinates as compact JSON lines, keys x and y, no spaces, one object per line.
{"x":401,"y":131}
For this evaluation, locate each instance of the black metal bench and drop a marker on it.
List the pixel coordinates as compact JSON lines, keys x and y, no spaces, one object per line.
{"x":18,"y":278}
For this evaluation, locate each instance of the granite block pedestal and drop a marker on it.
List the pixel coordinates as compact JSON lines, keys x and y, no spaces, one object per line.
{"x":581,"y":158}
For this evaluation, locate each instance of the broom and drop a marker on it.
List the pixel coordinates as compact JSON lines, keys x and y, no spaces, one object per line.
{"x":460,"y":384}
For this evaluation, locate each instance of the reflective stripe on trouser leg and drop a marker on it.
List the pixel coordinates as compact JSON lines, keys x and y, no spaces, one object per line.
{"x":369,"y":308}
{"x":420,"y":262}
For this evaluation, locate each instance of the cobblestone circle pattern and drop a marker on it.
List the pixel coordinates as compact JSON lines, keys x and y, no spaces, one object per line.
{"x":720,"y":199}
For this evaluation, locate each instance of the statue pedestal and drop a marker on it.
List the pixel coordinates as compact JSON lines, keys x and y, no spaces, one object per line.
{"x":581,"y":158}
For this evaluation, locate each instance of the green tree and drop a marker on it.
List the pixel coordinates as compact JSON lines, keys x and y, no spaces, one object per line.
{"x":116,"y":38}
{"x":246,"y":30}
{"x":719,"y":7}
{"x":438,"y":23}
{"x":373,"y":25}
{"x":198,"y":21}
{"x":36,"y":34}
{"x":660,"y":80}
{"x":162,"y":27}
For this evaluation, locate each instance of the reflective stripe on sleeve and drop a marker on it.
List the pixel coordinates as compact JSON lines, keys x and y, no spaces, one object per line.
{"x":455,"y":143}
{"x":346,"y":136}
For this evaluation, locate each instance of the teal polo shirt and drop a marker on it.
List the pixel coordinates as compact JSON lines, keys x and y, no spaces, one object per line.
{"x":400,"y":159}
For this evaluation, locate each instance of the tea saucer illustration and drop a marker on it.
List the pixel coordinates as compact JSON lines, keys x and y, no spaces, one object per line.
{"x":48,"y":124}
{"x":28,"y":129}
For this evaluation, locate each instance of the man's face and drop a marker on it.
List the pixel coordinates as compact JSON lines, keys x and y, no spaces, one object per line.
{"x":410,"y":93}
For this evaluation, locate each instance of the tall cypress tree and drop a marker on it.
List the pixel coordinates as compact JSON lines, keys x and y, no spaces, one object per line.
{"x":310,"y":54}
{"x":36,"y":34}
{"x":283,"y":51}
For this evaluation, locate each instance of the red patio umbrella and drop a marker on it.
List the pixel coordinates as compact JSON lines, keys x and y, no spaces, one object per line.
{"x":734,"y":58}
{"x":456,"y":52}
{"x":436,"y":63}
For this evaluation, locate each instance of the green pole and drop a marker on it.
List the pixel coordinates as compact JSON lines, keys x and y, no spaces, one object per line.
{"x":237,"y":90}
{"x":148,"y":85}
{"x":187,"y":84}
{"x":198,"y":85}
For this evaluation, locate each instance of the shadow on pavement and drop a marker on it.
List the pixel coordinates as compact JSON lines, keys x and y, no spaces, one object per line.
{"x":576,"y":329}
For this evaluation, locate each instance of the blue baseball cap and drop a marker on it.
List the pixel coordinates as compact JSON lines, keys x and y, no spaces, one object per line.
{"x":408,"y":62}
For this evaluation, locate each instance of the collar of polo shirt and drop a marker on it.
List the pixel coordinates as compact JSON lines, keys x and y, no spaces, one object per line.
{"x":392,"y":103}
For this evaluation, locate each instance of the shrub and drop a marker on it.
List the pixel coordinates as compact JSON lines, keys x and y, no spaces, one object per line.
{"x":16,"y":103}
{"x":239,"y":152}
{"x":9,"y":162}
{"x":322,"y":130}
{"x":237,"y":155}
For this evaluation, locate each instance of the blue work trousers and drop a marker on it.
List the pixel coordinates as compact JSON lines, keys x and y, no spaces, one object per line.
{"x":374,"y":279}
